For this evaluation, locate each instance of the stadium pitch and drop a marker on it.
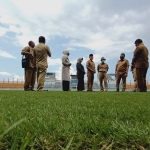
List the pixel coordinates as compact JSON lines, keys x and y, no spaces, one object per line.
{"x":74,"y":120}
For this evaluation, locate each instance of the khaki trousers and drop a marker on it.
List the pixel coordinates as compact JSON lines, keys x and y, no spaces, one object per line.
{"x":118,"y":78}
{"x":141,"y":79}
{"x":103,"y":77}
{"x":135,"y":79}
{"x":30,"y":76}
{"x":41,"y":72}
{"x":90,"y":79}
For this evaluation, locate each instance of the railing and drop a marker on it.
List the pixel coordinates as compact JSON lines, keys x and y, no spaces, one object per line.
{"x":58,"y":85}
{"x":18,"y":81}
{"x":15,"y":82}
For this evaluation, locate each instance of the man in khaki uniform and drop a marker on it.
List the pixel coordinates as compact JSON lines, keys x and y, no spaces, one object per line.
{"x":102,"y":69}
{"x":121,"y":72}
{"x":41,"y":51}
{"x":140,"y":59}
{"x":133,"y":69}
{"x":90,"y":65}
{"x":30,"y":73}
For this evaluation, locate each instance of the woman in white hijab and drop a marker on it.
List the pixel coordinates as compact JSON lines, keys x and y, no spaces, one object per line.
{"x":80,"y":74}
{"x":66,"y":71}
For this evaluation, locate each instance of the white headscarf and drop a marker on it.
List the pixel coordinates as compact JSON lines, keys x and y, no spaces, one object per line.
{"x":66,"y":52}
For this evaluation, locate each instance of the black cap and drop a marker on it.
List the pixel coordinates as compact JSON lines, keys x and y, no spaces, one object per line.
{"x":138,"y":41}
{"x":90,"y":55}
{"x":123,"y":54}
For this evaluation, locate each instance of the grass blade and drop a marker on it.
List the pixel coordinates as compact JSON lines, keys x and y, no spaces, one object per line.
{"x":14,"y":146}
{"x":13,"y":126}
{"x":69,"y":143}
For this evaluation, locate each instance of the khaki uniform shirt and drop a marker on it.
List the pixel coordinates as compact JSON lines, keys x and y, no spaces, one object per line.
{"x":141,"y":56}
{"x":91,"y":65}
{"x":102,"y":67}
{"x":41,"y":51}
{"x":31,"y":58}
{"x":121,"y":66}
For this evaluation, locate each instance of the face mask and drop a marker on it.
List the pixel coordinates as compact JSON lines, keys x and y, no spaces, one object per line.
{"x":102,"y":61}
{"x":121,"y":57}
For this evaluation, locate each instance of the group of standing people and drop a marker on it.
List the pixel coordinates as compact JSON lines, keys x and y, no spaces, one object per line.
{"x":37,"y":56}
{"x":102,"y":69}
{"x":139,"y":67}
{"x":38,"y":65}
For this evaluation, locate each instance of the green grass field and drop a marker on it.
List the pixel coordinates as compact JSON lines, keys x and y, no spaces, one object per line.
{"x":74,"y":120}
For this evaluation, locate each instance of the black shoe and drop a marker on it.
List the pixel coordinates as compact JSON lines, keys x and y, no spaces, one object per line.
{"x":27,"y":89}
{"x":133,"y":91}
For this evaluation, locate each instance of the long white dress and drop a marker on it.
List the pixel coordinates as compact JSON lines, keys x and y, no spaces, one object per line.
{"x":65,"y":68}
{"x":65,"y":71}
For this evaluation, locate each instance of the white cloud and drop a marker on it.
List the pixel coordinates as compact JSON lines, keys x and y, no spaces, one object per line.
{"x":5,"y":74}
{"x":92,"y":26}
{"x":18,"y":78}
{"x":50,"y":7}
{"x":3,"y":31}
{"x":72,"y":71}
{"x":11,"y":76}
{"x":6,"y":54}
{"x":70,"y":48}
{"x":14,"y":28}
{"x":53,"y":62}
{"x":58,"y":73}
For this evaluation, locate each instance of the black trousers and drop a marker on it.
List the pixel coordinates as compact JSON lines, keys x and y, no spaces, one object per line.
{"x":65,"y":85}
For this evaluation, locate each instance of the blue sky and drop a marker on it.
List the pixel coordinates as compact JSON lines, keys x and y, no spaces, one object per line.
{"x":104,"y":28}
